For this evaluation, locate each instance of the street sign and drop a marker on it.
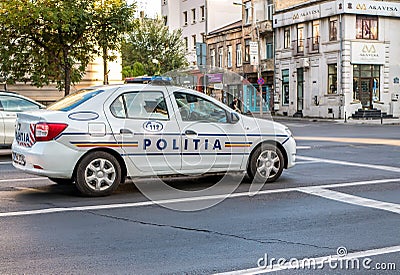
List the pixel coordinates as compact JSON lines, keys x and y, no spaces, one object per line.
{"x":254,"y":59}
{"x":253,"y":48}
{"x":260,"y":81}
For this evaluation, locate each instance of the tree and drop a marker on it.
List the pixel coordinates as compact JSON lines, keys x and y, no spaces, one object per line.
{"x":153,"y":45}
{"x":53,"y":41}
{"x":136,"y":70}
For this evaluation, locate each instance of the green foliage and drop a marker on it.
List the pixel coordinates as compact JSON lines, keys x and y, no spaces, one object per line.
{"x":52,"y":41}
{"x":131,"y":71}
{"x":150,"y":39}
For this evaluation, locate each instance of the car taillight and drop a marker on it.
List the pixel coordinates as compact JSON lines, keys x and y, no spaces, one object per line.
{"x":48,"y":131}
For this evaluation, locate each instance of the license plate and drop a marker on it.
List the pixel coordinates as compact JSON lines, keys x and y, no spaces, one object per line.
{"x":18,"y":159}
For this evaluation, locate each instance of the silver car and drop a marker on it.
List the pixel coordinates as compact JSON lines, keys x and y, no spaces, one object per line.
{"x":11,"y":104}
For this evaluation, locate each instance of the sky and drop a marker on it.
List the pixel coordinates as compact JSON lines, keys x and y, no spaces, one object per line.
{"x":151,"y":7}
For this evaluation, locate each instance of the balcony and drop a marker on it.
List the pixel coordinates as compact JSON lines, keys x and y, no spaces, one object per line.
{"x":313,"y":44}
{"x":298,"y":47}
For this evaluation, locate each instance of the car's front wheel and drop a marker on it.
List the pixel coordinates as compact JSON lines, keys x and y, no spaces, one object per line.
{"x":266,"y":163}
{"x":98,"y":174}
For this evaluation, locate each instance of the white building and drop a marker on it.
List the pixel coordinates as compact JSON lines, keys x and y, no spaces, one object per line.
{"x":335,"y":57}
{"x":147,"y":8}
{"x":196,"y":18}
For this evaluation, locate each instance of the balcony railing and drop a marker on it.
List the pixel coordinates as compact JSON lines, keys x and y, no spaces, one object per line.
{"x":298,"y":47}
{"x":314,"y":43}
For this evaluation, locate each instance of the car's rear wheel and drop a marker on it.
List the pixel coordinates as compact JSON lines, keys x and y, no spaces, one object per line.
{"x":98,"y":174}
{"x":61,"y":181}
{"x":266,"y":164}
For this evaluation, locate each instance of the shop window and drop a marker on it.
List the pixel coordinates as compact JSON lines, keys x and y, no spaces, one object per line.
{"x":286,"y":38}
{"x":285,"y":87}
{"x":366,"y":83}
{"x":332,"y":79}
{"x":367,"y":27}
{"x":333,"y":29}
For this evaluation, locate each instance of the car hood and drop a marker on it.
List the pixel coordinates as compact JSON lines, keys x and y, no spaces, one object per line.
{"x":263,"y":126}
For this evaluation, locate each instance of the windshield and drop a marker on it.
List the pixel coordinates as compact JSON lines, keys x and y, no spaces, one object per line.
{"x":73,"y":100}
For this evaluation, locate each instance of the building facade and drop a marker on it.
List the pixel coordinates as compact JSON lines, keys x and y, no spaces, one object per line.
{"x":246,"y":48}
{"x":335,"y":57}
{"x":197,"y":18}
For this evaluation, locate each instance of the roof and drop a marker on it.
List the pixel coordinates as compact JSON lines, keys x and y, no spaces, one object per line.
{"x":234,"y":25}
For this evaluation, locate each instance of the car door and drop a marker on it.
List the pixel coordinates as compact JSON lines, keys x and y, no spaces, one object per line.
{"x":2,"y":134}
{"x":147,"y":130}
{"x":211,"y":142}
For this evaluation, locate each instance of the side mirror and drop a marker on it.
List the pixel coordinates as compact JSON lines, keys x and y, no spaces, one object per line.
{"x":234,"y":118}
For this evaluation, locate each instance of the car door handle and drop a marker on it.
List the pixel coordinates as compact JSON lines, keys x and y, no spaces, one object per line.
{"x":125,"y":131}
{"x":190,"y":133}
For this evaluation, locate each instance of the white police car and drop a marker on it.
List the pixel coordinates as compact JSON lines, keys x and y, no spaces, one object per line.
{"x":97,"y":137}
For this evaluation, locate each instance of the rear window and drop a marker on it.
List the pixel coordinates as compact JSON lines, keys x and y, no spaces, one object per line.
{"x":74,"y":100}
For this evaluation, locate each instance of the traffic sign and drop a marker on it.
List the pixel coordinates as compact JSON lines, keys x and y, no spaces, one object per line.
{"x":260,"y":81}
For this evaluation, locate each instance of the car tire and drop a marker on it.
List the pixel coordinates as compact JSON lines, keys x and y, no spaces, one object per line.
{"x":61,"y":181}
{"x":266,"y":164}
{"x":98,"y":174}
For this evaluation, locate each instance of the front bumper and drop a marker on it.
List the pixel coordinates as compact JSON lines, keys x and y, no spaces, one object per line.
{"x":290,"y":147}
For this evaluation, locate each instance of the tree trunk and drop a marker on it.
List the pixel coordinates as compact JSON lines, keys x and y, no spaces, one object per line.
{"x":105,"y":69}
{"x":67,"y":74}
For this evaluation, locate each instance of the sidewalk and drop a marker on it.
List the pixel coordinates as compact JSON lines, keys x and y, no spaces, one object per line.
{"x":387,"y":121}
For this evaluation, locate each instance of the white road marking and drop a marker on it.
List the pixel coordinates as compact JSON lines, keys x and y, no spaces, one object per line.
{"x":346,"y":163}
{"x":183,"y":200}
{"x":319,"y":262}
{"x":303,"y":147}
{"x":351,"y":199}
{"x":23,"y":180}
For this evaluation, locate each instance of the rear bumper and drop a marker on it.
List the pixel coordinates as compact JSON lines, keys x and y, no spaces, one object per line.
{"x":49,"y":159}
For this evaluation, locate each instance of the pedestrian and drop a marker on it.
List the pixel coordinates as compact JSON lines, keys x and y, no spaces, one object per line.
{"x":235,"y":105}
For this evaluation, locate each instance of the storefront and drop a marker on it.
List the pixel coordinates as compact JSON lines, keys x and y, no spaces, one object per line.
{"x":334,"y":58}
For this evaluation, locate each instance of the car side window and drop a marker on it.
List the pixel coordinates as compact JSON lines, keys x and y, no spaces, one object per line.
{"x":15,"y":104}
{"x":140,"y":105}
{"x":196,"y":108}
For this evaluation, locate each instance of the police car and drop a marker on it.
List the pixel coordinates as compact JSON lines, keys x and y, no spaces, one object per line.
{"x":96,"y":138}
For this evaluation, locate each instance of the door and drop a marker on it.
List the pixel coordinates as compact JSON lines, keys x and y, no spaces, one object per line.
{"x":300,"y":89}
{"x":366,"y":93}
{"x":210,"y":143}
{"x":146,"y":129}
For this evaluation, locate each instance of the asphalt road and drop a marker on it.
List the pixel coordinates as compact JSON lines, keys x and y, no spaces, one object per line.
{"x":339,"y":207}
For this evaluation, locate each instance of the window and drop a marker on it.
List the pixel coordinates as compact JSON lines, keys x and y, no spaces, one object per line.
{"x":269,"y":10}
{"x":185,"y":18}
{"x":193,"y":16}
{"x":332,"y":78}
{"x":269,"y":50}
{"x":333,"y":29}
{"x":220,"y":57}
{"x":203,"y":13}
{"x":229,"y":57}
{"x":285,"y":87}
{"x":286,"y":39}
{"x":300,"y":38}
{"x":315,"y":35}
{"x":194,"y":41}
{"x":203,"y":37}
{"x":186,"y":43}
{"x":367,"y":27}
{"x":248,"y":13}
{"x":140,"y":105}
{"x":212,"y":54}
{"x":247,"y":50}
{"x":239,"y":55}
{"x":16,"y":104}
{"x":165,"y":19}
{"x":164,"y":2}
{"x":195,"y":108}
